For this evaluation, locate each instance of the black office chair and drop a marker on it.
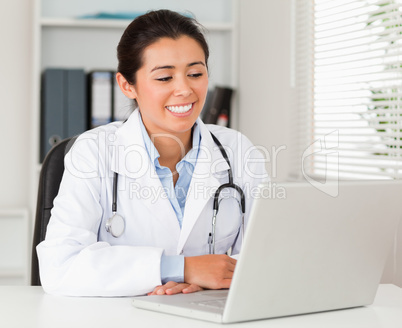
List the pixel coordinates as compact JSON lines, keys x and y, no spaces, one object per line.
{"x":49,"y":182}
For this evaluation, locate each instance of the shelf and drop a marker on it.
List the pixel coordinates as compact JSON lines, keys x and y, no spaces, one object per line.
{"x":114,"y":23}
{"x":12,"y":273}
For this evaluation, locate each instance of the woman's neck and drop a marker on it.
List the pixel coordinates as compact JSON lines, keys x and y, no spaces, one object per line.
{"x":172,"y":148}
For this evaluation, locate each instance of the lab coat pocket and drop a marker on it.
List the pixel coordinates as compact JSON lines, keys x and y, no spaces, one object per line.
{"x":223,"y":245}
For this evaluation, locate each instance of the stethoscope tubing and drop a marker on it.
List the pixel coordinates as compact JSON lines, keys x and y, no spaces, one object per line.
{"x":230,"y":184}
{"x":212,"y":234}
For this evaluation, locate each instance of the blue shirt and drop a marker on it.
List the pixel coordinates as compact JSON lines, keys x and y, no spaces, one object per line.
{"x":172,"y":267}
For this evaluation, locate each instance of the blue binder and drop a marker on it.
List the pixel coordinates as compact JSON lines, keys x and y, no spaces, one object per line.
{"x":52,"y":125}
{"x":76,"y":111}
{"x":64,"y":106}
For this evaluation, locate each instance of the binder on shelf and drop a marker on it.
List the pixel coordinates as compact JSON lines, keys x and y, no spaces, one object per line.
{"x":52,"y":113}
{"x":100,"y":100}
{"x":63,"y":106}
{"x":77,"y":112}
{"x":217,"y":111}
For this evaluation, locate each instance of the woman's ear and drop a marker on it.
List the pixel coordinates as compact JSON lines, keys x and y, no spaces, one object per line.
{"x":127,"y":88}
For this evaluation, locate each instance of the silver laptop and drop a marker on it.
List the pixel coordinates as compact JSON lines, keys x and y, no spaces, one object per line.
{"x":304,"y":251}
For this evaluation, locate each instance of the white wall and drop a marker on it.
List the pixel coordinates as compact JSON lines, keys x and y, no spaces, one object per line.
{"x":264,"y":73}
{"x":15,"y":96}
{"x":397,"y":269}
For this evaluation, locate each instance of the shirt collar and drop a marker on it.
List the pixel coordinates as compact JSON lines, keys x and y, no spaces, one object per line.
{"x":191,"y":156}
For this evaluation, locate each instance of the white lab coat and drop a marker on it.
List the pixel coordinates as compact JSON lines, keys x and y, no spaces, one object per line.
{"x":78,"y":256}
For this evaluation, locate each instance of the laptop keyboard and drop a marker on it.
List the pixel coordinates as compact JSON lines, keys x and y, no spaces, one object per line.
{"x":216,"y":304}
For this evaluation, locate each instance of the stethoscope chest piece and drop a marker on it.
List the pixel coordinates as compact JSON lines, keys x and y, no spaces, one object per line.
{"x":115,"y":225}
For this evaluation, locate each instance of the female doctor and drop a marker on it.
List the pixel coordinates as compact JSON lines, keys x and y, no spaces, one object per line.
{"x":154,"y":233}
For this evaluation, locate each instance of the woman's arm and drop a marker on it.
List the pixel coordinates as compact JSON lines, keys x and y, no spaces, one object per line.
{"x":71,"y":259}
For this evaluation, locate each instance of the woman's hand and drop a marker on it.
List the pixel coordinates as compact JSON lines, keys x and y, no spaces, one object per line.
{"x":209,"y":271}
{"x":206,"y":271}
{"x":171,"y":288}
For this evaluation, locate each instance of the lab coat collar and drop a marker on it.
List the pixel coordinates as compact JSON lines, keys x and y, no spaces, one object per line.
{"x":130,"y":158}
{"x":129,"y":155}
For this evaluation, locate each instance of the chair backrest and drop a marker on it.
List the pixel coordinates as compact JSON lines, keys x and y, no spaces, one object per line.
{"x":49,"y":182}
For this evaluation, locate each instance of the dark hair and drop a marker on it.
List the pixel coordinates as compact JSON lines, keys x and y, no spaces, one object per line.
{"x":148,"y":29}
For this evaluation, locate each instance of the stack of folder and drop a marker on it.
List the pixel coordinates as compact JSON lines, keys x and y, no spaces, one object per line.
{"x":74,"y":101}
{"x":64,"y":103}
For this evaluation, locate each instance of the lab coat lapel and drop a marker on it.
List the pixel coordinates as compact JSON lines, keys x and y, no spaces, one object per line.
{"x":204,"y":182}
{"x":130,"y":159}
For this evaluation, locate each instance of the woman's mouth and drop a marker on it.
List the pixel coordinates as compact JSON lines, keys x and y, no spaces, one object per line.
{"x":179,"y":109}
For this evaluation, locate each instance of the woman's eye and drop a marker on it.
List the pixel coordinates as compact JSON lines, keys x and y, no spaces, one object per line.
{"x":195,"y":75}
{"x":164,"y":79}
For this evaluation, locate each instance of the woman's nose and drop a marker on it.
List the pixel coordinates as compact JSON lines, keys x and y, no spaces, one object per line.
{"x":182,"y":88}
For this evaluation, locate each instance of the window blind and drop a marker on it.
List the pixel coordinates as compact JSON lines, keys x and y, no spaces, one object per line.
{"x":348,"y":77}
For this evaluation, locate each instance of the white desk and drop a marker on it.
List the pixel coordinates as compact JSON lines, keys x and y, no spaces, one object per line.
{"x":25,"y":306}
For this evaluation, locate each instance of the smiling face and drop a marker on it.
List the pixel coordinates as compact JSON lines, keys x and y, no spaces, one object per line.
{"x":171,"y":86}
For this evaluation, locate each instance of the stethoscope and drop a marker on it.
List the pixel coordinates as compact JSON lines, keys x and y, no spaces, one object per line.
{"x":116,"y":224}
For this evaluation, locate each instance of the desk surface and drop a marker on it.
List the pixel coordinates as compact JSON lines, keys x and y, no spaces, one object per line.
{"x":25,"y":306}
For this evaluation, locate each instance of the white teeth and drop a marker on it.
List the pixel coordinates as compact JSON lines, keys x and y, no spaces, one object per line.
{"x":179,"y":109}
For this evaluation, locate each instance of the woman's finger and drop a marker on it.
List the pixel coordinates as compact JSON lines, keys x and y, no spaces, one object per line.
{"x":192,"y":289}
{"x":176,"y":289}
{"x":171,"y":288}
{"x":161,"y":290}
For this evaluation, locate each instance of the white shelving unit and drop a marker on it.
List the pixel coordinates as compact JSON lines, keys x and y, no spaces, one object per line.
{"x":115,"y":23}
{"x":63,"y":40}
{"x":15,"y":258}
